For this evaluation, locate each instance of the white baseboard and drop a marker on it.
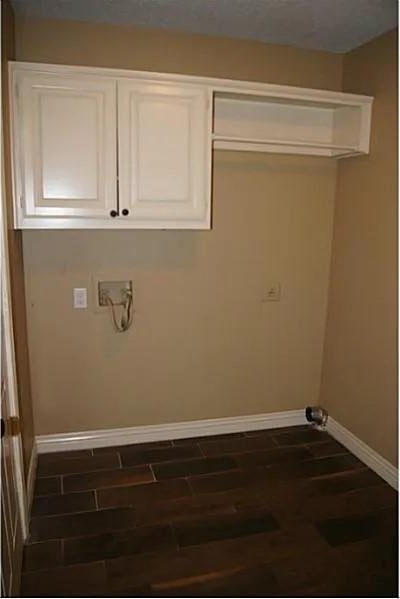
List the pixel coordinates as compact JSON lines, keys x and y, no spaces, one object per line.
{"x":366,"y":454}
{"x":163,"y":432}
{"x":31,"y":478}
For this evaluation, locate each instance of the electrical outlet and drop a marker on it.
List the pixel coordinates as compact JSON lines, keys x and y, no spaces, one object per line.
{"x":80,"y":298}
{"x":272,"y":293}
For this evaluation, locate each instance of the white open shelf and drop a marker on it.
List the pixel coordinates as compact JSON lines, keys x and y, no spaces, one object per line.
{"x":291,"y":125}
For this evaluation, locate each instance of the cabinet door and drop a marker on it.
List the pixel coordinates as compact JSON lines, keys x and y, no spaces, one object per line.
{"x":164,"y":155}
{"x":65,"y":130}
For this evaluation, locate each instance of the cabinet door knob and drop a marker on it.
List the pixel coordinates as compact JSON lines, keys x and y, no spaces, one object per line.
{"x":113,"y":213}
{"x":125,"y":212}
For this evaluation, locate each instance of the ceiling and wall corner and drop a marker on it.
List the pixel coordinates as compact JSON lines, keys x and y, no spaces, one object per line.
{"x":337,"y":26}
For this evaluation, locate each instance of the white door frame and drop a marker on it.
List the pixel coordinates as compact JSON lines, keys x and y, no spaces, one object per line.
{"x":12,"y":385}
{"x":9,"y":348}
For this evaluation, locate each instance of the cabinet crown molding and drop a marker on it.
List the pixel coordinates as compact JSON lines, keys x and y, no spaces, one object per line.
{"x":219,"y":84}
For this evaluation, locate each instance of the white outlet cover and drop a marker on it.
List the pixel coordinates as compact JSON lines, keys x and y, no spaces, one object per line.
{"x":80,"y":298}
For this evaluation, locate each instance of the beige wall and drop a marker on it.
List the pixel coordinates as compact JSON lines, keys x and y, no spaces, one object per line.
{"x":359,"y":383}
{"x":72,"y":42}
{"x":203,"y":344}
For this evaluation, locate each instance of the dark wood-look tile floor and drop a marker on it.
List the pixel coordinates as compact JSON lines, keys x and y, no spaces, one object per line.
{"x":276,"y":513}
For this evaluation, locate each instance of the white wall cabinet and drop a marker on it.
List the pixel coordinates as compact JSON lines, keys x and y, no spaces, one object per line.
{"x":164,"y":155}
{"x":65,"y":147}
{"x":107,"y":148}
{"x":98,"y":152}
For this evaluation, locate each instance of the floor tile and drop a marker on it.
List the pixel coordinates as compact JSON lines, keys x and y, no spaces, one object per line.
{"x":50,"y":458}
{"x":133,"y":456}
{"x":75,"y":465}
{"x":45,"y":555}
{"x":296,"y":437}
{"x":178,"y":510}
{"x":225,"y":527}
{"x":48,"y":486}
{"x":140,"y":590}
{"x":277,"y":431}
{"x":82,"y":580}
{"x":138,"y":494}
{"x":359,"y":501}
{"x":178,"y":469}
{"x":236,"y":445}
{"x":326,"y":448}
{"x":221,"y":481}
{"x":256,"y":581}
{"x":74,"y":525}
{"x":322,"y":466}
{"x":347,"y":481}
{"x":338,"y":531}
{"x":278,"y":455}
{"x":63,"y":504}
{"x":108,"y":478}
{"x":114,"y":544}
{"x":194,"y":440}
{"x":373,"y":498}
{"x":132,"y":446}
{"x":185,"y":566}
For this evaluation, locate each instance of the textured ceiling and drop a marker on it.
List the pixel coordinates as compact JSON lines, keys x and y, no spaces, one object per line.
{"x":332,"y":25}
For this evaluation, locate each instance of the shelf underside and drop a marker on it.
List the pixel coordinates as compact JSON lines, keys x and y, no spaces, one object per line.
{"x":285,"y":146}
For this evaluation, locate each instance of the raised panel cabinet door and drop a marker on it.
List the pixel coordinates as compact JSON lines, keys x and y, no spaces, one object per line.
{"x":65,"y":138}
{"x":164,"y":133}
